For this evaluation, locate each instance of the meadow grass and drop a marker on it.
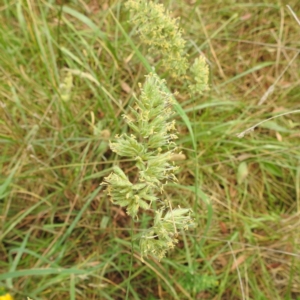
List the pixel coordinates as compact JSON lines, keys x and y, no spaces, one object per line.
{"x":61,"y":237}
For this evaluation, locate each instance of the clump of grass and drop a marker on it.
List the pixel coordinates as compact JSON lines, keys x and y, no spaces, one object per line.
{"x":59,"y":236}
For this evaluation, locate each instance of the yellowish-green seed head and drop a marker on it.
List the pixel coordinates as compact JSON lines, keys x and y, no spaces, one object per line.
{"x":161,"y":32}
{"x":200,"y":74}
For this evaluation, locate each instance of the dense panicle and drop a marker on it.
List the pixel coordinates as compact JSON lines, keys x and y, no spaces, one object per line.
{"x":151,"y":146}
{"x":161,"y":32}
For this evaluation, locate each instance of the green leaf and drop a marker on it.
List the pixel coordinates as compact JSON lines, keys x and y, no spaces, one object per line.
{"x":274,"y":126}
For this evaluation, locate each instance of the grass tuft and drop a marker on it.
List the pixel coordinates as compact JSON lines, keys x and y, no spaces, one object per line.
{"x":60,"y":237}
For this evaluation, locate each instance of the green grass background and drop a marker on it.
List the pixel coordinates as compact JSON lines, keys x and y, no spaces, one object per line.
{"x":61,"y":237}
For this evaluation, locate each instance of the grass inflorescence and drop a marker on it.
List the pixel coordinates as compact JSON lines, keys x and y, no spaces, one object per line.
{"x":151,"y":146}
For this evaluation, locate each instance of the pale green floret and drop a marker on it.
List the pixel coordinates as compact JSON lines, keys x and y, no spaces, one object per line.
{"x":65,"y":87}
{"x":151,"y":246}
{"x":124,"y":193}
{"x":127,"y":146}
{"x":157,"y":141}
{"x":158,"y":170}
{"x":163,"y":235}
{"x":200,"y":73}
{"x":161,"y":32}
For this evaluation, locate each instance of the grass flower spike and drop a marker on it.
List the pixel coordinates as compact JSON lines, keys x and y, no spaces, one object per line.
{"x":161,"y":32}
{"x":200,"y":73}
{"x":151,"y":145}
